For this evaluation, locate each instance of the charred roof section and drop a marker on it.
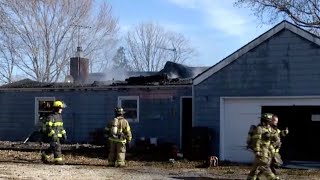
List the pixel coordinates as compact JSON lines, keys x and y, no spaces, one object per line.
{"x":175,"y":70}
{"x":158,"y":79}
{"x":171,"y":74}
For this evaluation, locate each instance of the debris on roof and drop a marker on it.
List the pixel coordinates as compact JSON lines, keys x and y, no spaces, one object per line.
{"x":176,"y":70}
{"x":171,"y":74}
{"x":159,"y":78}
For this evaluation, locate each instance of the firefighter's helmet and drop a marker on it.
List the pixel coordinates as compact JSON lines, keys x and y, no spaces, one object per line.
{"x":59,"y":104}
{"x":119,"y":111}
{"x":266,"y":117}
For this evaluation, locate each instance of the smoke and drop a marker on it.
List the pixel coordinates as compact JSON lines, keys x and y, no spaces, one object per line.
{"x":173,"y":75}
{"x":176,"y":70}
{"x":117,"y":74}
{"x":109,"y":75}
{"x":173,"y":70}
{"x":198,"y":70}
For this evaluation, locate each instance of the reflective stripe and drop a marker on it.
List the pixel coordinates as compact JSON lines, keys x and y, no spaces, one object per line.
{"x":277,"y":150}
{"x":59,"y":135}
{"x":270,"y":176}
{"x":51,"y":133}
{"x":58,"y":159}
{"x":128,"y":128}
{"x":257,"y":136}
{"x":120,"y":163}
{"x":254,"y":177}
{"x":117,"y":140}
{"x":58,"y":124}
{"x":63,"y":131}
{"x":46,"y":156}
{"x":50,"y":123}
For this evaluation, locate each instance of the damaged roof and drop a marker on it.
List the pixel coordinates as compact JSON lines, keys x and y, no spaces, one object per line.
{"x":171,"y":74}
{"x":175,"y":70}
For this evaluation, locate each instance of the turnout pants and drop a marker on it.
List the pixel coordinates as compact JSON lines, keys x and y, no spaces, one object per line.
{"x":276,"y":162}
{"x":117,"y":154}
{"x":261,"y":167}
{"x":55,"y":149}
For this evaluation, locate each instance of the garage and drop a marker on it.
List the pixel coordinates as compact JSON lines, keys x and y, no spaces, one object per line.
{"x":278,"y":72}
{"x":299,"y":114}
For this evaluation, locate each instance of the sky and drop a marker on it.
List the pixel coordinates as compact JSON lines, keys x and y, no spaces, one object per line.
{"x":214,"y":28}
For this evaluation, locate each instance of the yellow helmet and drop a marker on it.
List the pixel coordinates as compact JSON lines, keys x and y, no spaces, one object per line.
{"x":267,"y":117}
{"x":59,"y":104}
{"x":119,"y":111}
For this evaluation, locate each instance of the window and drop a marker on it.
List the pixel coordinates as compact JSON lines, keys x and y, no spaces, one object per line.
{"x":42,"y":107}
{"x":130,"y":105}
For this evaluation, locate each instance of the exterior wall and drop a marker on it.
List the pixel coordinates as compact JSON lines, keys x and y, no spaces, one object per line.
{"x":89,"y":111}
{"x":284,"y":65}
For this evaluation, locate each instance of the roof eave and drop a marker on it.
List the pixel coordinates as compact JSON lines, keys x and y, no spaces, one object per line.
{"x":99,"y":88}
{"x":246,"y":48}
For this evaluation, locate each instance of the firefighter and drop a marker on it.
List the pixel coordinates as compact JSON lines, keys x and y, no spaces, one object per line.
{"x":262,"y":150}
{"x":276,"y":143}
{"x":119,"y":133}
{"x":55,"y":133}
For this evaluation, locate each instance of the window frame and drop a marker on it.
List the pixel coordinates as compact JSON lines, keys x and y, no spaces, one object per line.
{"x":36,"y":107}
{"x":121,"y":98}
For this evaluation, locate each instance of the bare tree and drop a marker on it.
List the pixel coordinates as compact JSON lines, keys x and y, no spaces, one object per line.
{"x":304,"y":13}
{"x":120,"y":60}
{"x":8,"y":58}
{"x":150,"y":46}
{"x":47,"y":33}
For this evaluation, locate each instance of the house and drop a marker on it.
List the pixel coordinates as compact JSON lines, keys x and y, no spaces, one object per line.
{"x":156,"y":106}
{"x":278,"y":72}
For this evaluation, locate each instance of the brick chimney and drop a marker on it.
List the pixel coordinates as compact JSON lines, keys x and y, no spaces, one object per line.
{"x":79,"y":67}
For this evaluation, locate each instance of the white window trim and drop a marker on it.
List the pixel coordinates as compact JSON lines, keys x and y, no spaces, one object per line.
{"x":36,"y":107}
{"x":120,"y":98}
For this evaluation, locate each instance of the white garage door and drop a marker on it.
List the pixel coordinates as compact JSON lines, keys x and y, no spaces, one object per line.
{"x":237,"y":114}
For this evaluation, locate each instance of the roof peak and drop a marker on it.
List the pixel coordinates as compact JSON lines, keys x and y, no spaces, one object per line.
{"x":254,"y":43}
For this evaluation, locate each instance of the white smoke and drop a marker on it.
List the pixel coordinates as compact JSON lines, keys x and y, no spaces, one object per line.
{"x":116,"y":74}
{"x":109,"y":75}
{"x":197,"y":70}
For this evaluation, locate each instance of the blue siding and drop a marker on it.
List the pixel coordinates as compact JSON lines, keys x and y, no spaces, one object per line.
{"x":284,"y":65}
{"x":90,"y":110}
